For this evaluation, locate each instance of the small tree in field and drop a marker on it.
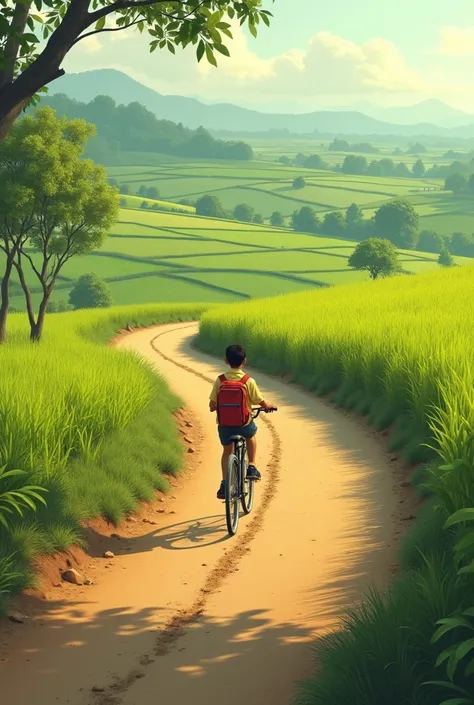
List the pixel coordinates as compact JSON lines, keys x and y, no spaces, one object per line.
{"x":244,"y":212}
{"x":90,"y":292}
{"x":277,"y":219}
{"x":377,"y":256}
{"x":299,"y":182}
{"x":71,"y":209}
{"x":445,"y":258}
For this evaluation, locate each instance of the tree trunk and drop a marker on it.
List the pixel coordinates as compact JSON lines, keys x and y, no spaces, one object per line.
{"x":5,"y":302}
{"x":26,"y":290}
{"x":15,"y":95}
{"x":37,"y":328}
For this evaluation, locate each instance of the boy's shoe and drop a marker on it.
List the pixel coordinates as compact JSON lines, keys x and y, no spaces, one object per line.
{"x":253,"y":473}
{"x":221,"y":491}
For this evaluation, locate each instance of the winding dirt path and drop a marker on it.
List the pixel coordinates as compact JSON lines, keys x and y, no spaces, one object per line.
{"x":196,"y":617}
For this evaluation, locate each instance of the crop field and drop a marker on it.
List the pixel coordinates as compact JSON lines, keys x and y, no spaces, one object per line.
{"x":268,"y":187}
{"x":272,"y":149}
{"x":154,"y":256}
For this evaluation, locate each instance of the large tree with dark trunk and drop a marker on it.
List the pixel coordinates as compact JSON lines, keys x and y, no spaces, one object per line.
{"x":27,"y":65}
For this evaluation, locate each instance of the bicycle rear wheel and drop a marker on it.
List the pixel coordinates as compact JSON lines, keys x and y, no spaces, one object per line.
{"x":248,"y":486}
{"x":232,"y":495}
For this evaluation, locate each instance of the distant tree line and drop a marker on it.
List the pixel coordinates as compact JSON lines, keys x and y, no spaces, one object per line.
{"x":134,"y":128}
{"x":210,"y":206}
{"x":338,"y":145}
{"x":396,"y":221}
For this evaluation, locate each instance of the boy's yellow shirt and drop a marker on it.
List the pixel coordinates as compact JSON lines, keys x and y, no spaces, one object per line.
{"x":254,"y":395}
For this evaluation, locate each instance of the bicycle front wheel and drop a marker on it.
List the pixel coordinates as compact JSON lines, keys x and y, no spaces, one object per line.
{"x":247,"y":486}
{"x":232,"y":495}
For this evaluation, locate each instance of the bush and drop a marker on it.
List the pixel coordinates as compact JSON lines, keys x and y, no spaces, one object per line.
{"x":299,"y":182}
{"x":90,"y":292}
{"x":244,"y":213}
{"x":445,"y":258}
{"x":277,"y":219}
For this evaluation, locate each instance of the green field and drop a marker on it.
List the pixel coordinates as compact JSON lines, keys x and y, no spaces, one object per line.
{"x":269,"y":187}
{"x":154,"y":256}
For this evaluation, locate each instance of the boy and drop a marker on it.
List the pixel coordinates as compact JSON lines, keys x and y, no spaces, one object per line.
{"x":235,"y":357}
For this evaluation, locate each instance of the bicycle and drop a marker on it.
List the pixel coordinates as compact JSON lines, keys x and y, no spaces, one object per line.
{"x":237,"y":486}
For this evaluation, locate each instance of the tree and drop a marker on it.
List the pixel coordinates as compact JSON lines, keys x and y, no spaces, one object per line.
{"x":305,"y":220}
{"x":123,"y":203}
{"x":338,"y":145}
{"x":334,"y":224}
{"x":72,"y":210}
{"x":397,"y":221}
{"x":462,"y":245}
{"x":445,"y":258}
{"x":142,"y":191}
{"x":209,"y":206}
{"x":299,"y":182}
{"x":416,"y":148}
{"x":124,"y":189}
{"x":418,"y":169}
{"x":430,"y":241}
{"x":28,"y":64}
{"x":354,"y":220}
{"x":244,"y":212}
{"x":377,"y":256}
{"x":354,"y":164}
{"x":258,"y":219}
{"x":277,"y":219}
{"x":90,"y":291}
{"x":402,"y":170}
{"x":457,"y":183}
{"x":144,"y":204}
{"x":314,"y":161}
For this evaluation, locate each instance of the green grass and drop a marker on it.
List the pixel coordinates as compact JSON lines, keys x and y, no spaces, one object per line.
{"x":401,"y":353}
{"x":91,"y":424}
{"x":157,"y":256}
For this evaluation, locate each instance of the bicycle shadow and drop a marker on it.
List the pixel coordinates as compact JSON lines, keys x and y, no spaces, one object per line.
{"x":187,"y":535}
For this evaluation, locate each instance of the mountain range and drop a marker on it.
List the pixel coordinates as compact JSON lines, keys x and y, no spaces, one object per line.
{"x":85,"y":86}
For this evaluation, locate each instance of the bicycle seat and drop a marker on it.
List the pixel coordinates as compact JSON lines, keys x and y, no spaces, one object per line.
{"x":235,"y":438}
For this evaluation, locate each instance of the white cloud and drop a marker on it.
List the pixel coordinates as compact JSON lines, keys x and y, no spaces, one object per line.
{"x":456,"y":41}
{"x":329,"y":66}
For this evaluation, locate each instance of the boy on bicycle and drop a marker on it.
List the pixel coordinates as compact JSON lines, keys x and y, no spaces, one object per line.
{"x":233,"y":396}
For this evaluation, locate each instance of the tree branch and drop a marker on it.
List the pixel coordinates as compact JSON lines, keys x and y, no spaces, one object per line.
{"x":124,"y":5}
{"x":111,"y":29}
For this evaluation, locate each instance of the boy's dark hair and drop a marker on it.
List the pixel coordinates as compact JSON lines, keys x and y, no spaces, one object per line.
{"x":235,"y":355}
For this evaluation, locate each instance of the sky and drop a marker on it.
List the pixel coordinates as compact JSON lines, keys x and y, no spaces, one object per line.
{"x":315,"y":54}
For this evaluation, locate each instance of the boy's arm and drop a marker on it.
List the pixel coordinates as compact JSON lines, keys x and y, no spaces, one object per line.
{"x":257,"y":396}
{"x":213,"y":396}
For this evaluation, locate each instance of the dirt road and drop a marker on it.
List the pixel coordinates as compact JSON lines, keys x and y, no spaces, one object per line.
{"x":187,"y":615}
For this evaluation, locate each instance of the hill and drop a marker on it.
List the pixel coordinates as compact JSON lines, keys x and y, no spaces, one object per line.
{"x":87,"y":85}
{"x":166,"y":257}
{"x":131,"y":127}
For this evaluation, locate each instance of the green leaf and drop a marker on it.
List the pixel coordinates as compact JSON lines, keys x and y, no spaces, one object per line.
{"x":464,"y":649}
{"x":252,"y":29}
{"x":171,"y":47}
{"x":210,"y":56}
{"x":222,"y":49}
{"x":460,"y":516}
{"x":469,"y":668}
{"x":468,"y":569}
{"x":100,"y":24}
{"x":200,"y":50}
{"x":448,"y":624}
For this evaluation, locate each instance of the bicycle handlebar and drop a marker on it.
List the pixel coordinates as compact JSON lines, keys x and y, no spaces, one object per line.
{"x":258,"y":410}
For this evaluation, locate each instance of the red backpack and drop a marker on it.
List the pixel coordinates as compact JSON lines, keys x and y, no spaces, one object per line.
{"x":232,"y":409}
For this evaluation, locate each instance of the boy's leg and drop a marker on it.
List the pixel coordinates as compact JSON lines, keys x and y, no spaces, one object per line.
{"x":252,"y":449}
{"x":226,"y":453}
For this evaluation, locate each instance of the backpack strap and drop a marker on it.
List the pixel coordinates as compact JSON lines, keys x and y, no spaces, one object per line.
{"x":222,"y":378}
{"x":245,"y":379}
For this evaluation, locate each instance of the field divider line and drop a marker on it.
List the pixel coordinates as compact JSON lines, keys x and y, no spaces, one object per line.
{"x":184,"y":618}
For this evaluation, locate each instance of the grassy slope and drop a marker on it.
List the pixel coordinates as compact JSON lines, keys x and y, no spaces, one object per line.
{"x":91,"y":424}
{"x":167,"y":257}
{"x":401,"y":353}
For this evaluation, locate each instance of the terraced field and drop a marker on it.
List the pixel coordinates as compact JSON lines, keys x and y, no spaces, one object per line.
{"x":156,"y":256}
{"x":269,"y":187}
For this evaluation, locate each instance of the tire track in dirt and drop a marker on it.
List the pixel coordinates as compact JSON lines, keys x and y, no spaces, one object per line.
{"x":178,"y":624}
